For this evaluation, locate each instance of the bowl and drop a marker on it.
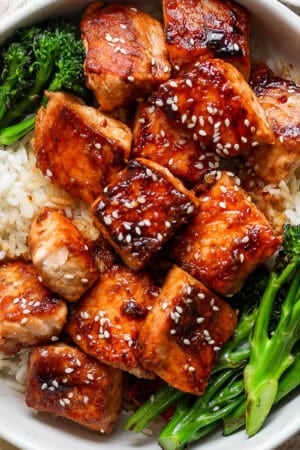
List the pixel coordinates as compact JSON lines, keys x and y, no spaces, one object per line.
{"x":276,"y":32}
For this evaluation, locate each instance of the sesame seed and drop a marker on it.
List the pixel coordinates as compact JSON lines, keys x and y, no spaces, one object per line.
{"x":223,"y":189}
{"x":174,"y":107}
{"x":159,"y":102}
{"x":242,"y":257}
{"x":244,"y":139}
{"x":84,"y":280}
{"x":183,"y":118}
{"x":281,"y":139}
{"x":61,"y":402}
{"x":179,"y":309}
{"x":78,"y":337}
{"x":227,"y":122}
{"x":69,"y":276}
{"x":202,"y":133}
{"x":236,"y":47}
{"x":54,"y":338}
{"x":90,"y":376}
{"x":215,"y":308}
{"x":123,"y":26}
{"x":246,"y":123}
{"x":216,"y":349}
{"x":98,"y":145}
{"x":120,"y":236}
{"x":55,"y":383}
{"x":191,"y":369}
{"x":236,"y":147}
{"x":209,"y":109}
{"x":189,"y":83}
{"x":186,"y":341}
{"x":222,"y":205}
{"x":44,"y":386}
{"x":128,"y":238}
{"x":166,"y":69}
{"x":107,"y":220}
{"x":173,"y":84}
{"x":69,"y":370}
{"x":255,"y":144}
{"x":24,"y":320}
{"x":192,"y":41}
{"x":108,"y":37}
{"x":201,"y":295}
{"x":106,"y":334}
{"x":26,"y":311}
{"x":172,"y":332}
{"x":147,"y":223}
{"x":200,"y":319}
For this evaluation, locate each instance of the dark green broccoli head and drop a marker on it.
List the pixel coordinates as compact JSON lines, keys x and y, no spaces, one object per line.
{"x":291,"y":241}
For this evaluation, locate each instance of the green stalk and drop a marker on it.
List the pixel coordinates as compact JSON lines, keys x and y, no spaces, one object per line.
{"x":153,"y":408}
{"x":270,"y":356}
{"x":289,"y":381}
{"x":11,"y":134}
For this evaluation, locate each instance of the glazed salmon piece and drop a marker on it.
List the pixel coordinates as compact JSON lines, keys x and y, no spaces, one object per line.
{"x":30,"y":315}
{"x":126,"y":55}
{"x":280,"y":100}
{"x":77,"y":147}
{"x":61,"y":255}
{"x":141,"y":210}
{"x":63,"y":381}
{"x":227,"y":238}
{"x":207,"y":28}
{"x":184,"y":332}
{"x":106,"y":322}
{"x":216,"y":104}
{"x":158,"y":138}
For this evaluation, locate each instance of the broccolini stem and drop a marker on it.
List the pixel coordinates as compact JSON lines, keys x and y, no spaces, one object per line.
{"x":153,"y":408}
{"x":11,"y":134}
{"x":271,"y":356}
{"x":289,"y":381}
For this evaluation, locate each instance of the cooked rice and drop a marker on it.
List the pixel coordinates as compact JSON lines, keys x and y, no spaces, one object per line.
{"x":23,"y":192}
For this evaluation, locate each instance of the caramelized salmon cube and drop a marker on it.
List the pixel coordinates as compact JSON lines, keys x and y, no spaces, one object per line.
{"x":184,"y":332}
{"x":61,"y":255}
{"x":126,"y":55}
{"x":207,"y":28}
{"x":280,"y":100}
{"x":227,"y":238}
{"x":141,"y":210}
{"x":106,"y":322}
{"x":159,"y":139}
{"x":30,"y":315}
{"x":77,"y":147}
{"x":63,"y":381}
{"x":215,"y":102}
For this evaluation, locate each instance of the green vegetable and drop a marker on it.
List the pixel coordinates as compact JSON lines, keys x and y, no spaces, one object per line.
{"x":54,"y":57}
{"x":271,"y":354}
{"x":289,"y":381}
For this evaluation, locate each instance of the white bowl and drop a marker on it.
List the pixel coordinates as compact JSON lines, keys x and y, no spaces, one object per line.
{"x":277,"y":32}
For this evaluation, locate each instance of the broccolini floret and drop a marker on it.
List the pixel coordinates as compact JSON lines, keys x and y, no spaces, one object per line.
{"x":55,"y":56}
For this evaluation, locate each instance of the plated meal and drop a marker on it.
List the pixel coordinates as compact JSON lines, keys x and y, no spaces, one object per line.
{"x":149,"y":224}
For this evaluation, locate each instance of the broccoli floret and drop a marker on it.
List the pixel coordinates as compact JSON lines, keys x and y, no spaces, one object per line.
{"x":15,"y":75}
{"x":272,"y":354}
{"x":55,"y":54}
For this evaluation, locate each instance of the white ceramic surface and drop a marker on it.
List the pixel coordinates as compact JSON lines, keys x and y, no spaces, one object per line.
{"x":278,"y":32}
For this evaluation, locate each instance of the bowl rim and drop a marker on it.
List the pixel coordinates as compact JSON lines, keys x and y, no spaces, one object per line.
{"x":26,"y":15}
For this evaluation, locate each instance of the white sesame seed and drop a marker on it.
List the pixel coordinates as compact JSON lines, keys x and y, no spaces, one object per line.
{"x":54,"y":338}
{"x":236,"y":147}
{"x":78,"y":337}
{"x":106,"y":334}
{"x":201,"y":295}
{"x":69,"y":276}
{"x":191,"y":369}
{"x":244,"y":139}
{"x":215,"y":308}
{"x":174,"y":107}
{"x":107,"y":220}
{"x":24,"y":320}
{"x":61,"y":402}
{"x":227,"y":122}
{"x":223,"y":189}
{"x":200,"y":319}
{"x":242,"y":257}
{"x":236,"y":47}
{"x":173,"y":84}
{"x":202,"y":133}
{"x":216,"y":349}
{"x":90,"y":376}
{"x":130,"y":78}
{"x":246,"y":123}
{"x":69,"y":370}
{"x":222,"y":205}
{"x":189,"y":83}
{"x":186,"y":341}
{"x":44,"y":386}
{"x":172,"y":332}
{"x":84,"y":280}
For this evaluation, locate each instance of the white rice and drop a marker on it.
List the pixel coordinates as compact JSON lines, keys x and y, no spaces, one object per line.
{"x":23,"y":192}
